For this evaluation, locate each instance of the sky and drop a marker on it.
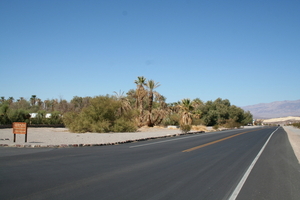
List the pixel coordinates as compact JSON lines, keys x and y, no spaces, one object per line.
{"x":244,"y":51}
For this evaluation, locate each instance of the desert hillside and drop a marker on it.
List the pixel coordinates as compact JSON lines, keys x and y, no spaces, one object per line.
{"x":275,"y":109}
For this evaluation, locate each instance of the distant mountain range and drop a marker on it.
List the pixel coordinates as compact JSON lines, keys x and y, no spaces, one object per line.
{"x":274,"y":109}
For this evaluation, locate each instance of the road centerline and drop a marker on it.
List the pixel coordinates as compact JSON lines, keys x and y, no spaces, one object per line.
{"x":141,"y":145}
{"x":216,"y":141}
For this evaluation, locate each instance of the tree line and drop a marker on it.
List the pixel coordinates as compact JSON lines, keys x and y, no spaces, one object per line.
{"x":142,"y":106}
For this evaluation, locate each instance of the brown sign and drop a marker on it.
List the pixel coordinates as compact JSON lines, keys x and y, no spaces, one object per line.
{"x":20,"y":128}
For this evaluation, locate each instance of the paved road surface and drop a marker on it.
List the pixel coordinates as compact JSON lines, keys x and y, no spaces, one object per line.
{"x":203,"y":166}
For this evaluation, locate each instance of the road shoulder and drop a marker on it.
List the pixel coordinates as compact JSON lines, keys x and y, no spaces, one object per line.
{"x":294,"y":138}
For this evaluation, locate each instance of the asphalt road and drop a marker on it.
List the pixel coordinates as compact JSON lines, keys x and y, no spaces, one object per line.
{"x":203,"y":166}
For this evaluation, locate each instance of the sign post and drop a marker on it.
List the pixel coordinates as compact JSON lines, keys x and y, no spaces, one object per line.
{"x":20,"y":128}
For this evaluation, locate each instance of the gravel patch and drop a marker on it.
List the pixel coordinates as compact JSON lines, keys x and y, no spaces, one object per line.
{"x":294,"y":137}
{"x":61,"y":137}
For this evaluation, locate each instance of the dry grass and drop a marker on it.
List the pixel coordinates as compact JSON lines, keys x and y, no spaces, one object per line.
{"x":150,"y":129}
{"x":158,"y":128}
{"x":199,"y":128}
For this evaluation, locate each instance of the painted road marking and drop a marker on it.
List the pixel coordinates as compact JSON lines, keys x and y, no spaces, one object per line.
{"x":243,"y":180}
{"x":216,"y":141}
{"x":141,"y":145}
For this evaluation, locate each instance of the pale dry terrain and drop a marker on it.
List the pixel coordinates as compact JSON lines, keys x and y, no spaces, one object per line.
{"x":281,"y":119}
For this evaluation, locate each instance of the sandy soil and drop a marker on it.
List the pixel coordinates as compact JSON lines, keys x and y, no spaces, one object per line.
{"x":43,"y":137}
{"x":281,"y":119}
{"x":294,"y":137}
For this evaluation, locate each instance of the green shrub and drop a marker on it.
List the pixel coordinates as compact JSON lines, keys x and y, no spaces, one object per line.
{"x":100,"y":127}
{"x":216,"y":127}
{"x":197,"y":121}
{"x":231,"y":123}
{"x":3,"y":114}
{"x":297,"y":125}
{"x":55,"y":118}
{"x":40,"y":118}
{"x":123,"y":125}
{"x":185,"y":128}
{"x":172,"y":119}
{"x":19,"y":115}
{"x":100,"y":116}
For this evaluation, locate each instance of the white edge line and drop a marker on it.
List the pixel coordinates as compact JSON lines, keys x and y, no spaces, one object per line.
{"x":243,"y":180}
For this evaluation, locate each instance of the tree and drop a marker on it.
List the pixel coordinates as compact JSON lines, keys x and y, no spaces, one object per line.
{"x":247,"y":119}
{"x":10,"y":100}
{"x":4,"y":108}
{"x":186,"y":115}
{"x":40,"y":103}
{"x":151,"y":85}
{"x":100,"y":116}
{"x":2,"y":100}
{"x":125,"y":103}
{"x":140,"y":93}
{"x":33,"y":100}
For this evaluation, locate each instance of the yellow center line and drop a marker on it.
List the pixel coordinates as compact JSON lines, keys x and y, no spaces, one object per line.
{"x":216,"y":141}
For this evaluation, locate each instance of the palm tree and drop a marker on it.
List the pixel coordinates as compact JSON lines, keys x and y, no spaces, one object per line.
{"x":54,"y":102}
{"x":197,"y":104}
{"x":151,"y":85}
{"x":47,"y":104}
{"x":140,"y":93}
{"x":140,"y":90}
{"x":10,"y":100}
{"x":33,"y":100}
{"x":186,"y":108}
{"x":40,"y":103}
{"x":140,"y":81}
{"x":125,"y":104}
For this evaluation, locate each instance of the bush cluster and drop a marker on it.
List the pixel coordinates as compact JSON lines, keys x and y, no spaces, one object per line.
{"x":185,"y":128}
{"x":297,"y":125}
{"x":101,"y":116}
{"x":9,"y":115}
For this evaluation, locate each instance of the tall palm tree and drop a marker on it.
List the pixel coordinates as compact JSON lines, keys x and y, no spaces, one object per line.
{"x":54,"y":102}
{"x":47,"y":104}
{"x":151,"y":85}
{"x":140,"y":81}
{"x":39,"y":103}
{"x":141,"y":93}
{"x":33,"y":100}
{"x":140,"y":90}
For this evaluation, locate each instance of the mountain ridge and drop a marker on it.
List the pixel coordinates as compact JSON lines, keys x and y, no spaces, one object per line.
{"x":274,"y":109}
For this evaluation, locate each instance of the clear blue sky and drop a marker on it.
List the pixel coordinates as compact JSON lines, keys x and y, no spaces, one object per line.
{"x":244,"y":51}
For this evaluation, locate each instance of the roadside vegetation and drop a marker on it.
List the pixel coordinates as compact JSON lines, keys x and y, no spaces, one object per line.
{"x":297,"y":125}
{"x":142,"y":106}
